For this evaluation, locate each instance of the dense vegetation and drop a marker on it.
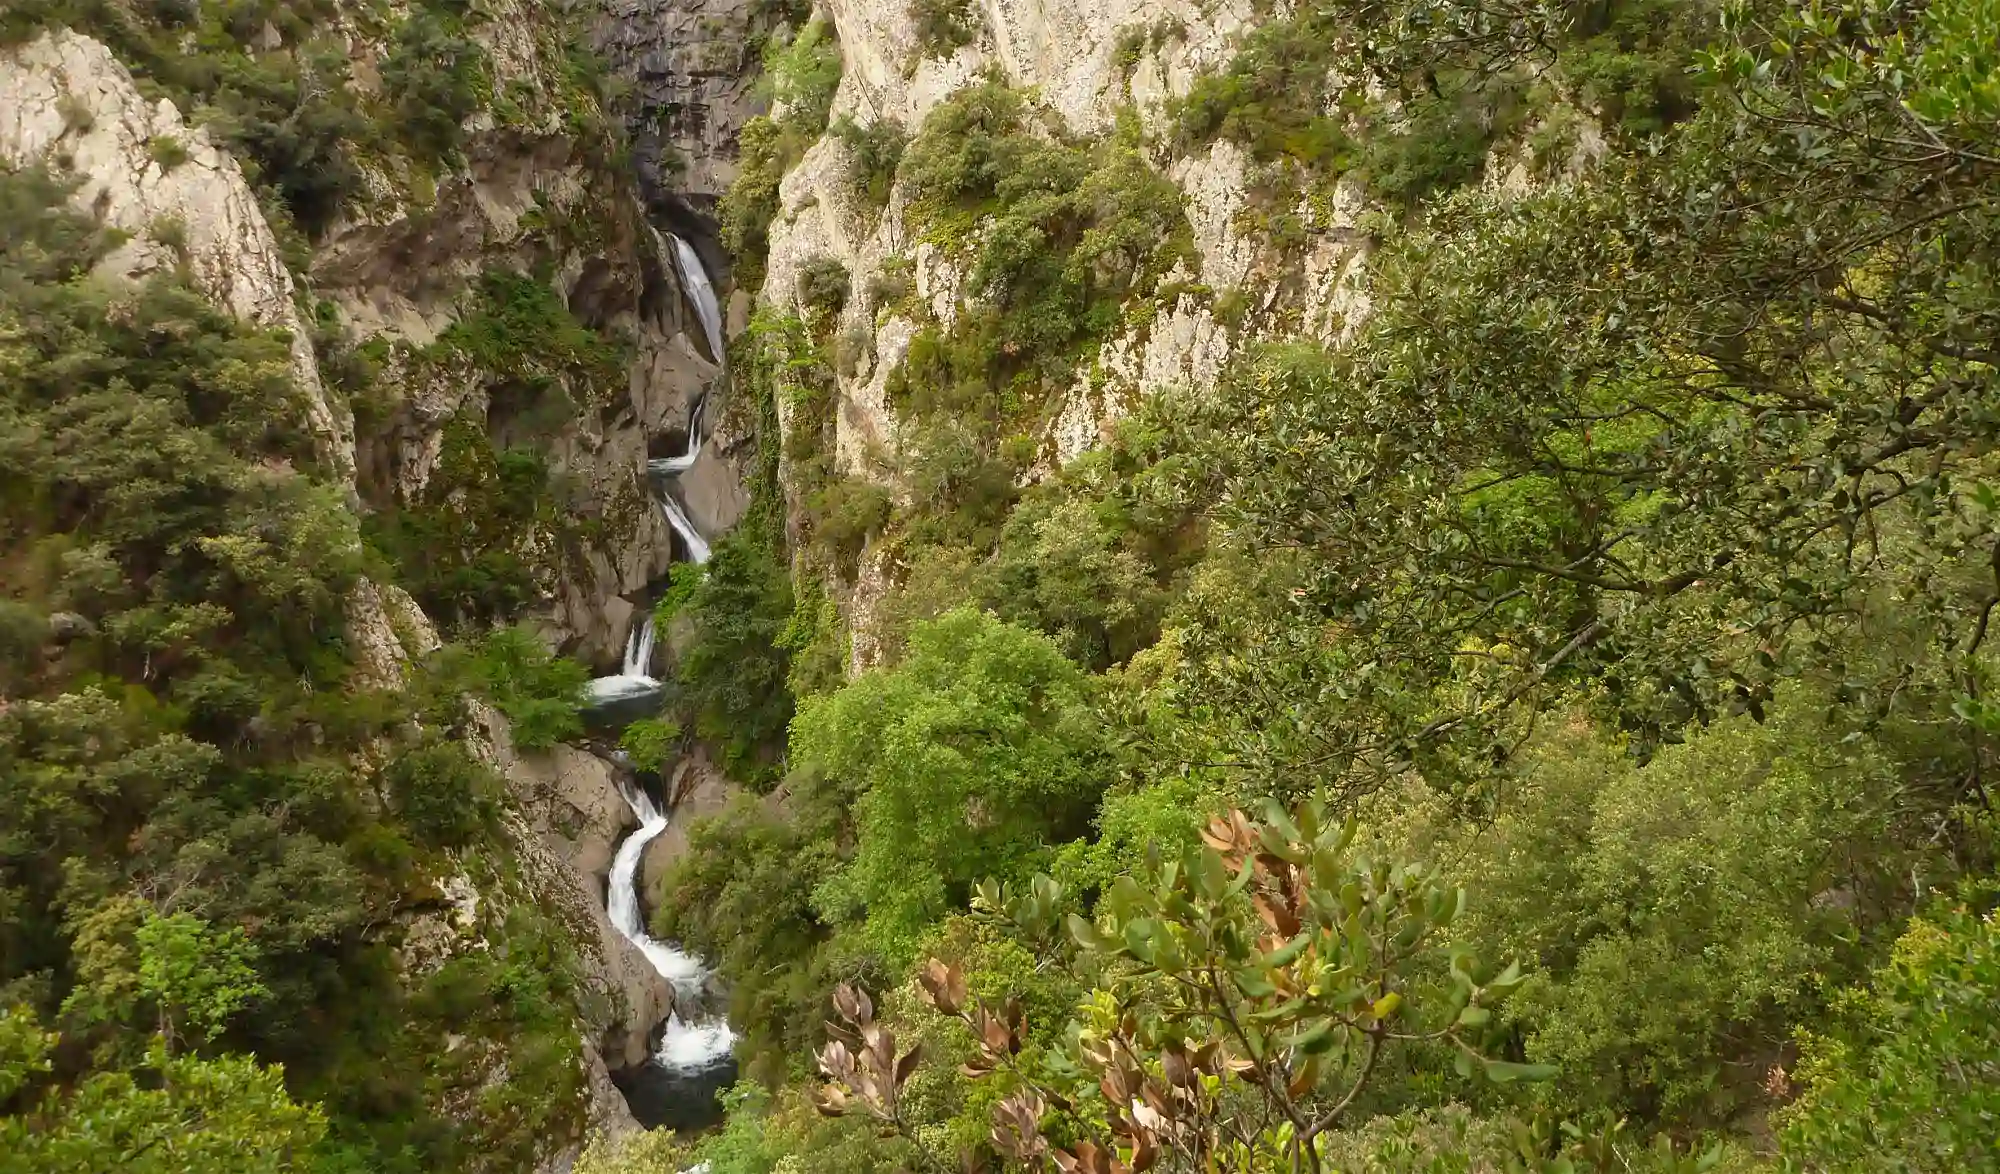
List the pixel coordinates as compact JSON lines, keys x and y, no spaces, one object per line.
{"x":1598,"y":639}
{"x":1548,"y":731}
{"x":228,"y":847}
{"x":215,"y":831}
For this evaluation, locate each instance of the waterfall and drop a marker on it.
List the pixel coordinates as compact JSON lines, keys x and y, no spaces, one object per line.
{"x":675,"y":466}
{"x":635,"y":678}
{"x":686,"y":1045}
{"x":677,"y":518}
{"x":694,"y":279}
{"x":639,"y":649}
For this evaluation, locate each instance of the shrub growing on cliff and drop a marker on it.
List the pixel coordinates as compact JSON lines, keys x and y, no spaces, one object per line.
{"x":446,"y":796}
{"x":1057,"y":235}
{"x":823,"y":286}
{"x":873,"y":154}
{"x":944,"y":26}
{"x":437,"y":78}
{"x":802,"y":76}
{"x":540,"y":692}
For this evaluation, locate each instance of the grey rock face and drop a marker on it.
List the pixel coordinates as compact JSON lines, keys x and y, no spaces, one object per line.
{"x":692,"y":64}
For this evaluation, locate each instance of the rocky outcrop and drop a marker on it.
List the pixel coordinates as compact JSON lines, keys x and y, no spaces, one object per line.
{"x":1081,"y":64}
{"x":693,"y":66}
{"x":66,"y":102}
{"x":570,"y":800}
{"x":400,"y":274}
{"x":697,"y":789}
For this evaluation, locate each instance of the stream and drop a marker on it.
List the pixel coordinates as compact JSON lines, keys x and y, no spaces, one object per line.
{"x":692,"y":1058}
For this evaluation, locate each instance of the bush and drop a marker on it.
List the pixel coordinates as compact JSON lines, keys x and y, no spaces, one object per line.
{"x":517,"y":326}
{"x":1676,"y":905}
{"x":873,"y":154}
{"x":892,"y":288}
{"x":1907,"y":1078}
{"x":803,"y":74}
{"x":436,"y":77}
{"x":944,"y":26}
{"x":1270,"y":97}
{"x":765,"y":152}
{"x":167,"y":151}
{"x":650,"y":743}
{"x":445,"y":796}
{"x":1439,"y":145}
{"x":845,"y":514}
{"x":823,"y":286}
{"x":541,"y":693}
{"x":1057,"y":237}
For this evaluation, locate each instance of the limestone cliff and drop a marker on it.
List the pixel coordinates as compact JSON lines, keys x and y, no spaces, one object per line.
{"x":1086,"y":66}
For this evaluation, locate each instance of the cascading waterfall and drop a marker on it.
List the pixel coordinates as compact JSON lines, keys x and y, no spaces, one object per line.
{"x":689,"y":1044}
{"x":698,"y":551}
{"x":694,"y":279}
{"x":634,"y":679}
{"x":675,"y":466}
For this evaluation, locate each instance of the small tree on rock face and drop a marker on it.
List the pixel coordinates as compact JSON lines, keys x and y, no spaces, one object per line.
{"x":1242,"y":1001}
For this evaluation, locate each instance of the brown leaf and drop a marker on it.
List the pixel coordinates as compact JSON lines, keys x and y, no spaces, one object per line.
{"x":944,"y":986}
{"x":1282,"y":921}
{"x":1087,"y":1158}
{"x":1145,"y":1151}
{"x":908,"y":1064}
{"x":836,"y":1061}
{"x":851,"y":1004}
{"x":1017,"y":1127}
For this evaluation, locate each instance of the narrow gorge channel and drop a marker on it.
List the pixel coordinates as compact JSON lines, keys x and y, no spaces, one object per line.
{"x":692,"y":1058}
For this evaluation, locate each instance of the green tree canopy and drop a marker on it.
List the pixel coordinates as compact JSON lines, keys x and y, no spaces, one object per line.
{"x":966,"y":760}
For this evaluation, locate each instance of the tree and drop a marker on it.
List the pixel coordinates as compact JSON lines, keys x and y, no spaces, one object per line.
{"x":1907,"y":1077}
{"x":733,"y":674}
{"x":1679,"y":486}
{"x":1243,"y":999}
{"x":965,"y":761}
{"x":176,"y":1115}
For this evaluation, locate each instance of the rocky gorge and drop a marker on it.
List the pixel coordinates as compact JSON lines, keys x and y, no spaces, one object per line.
{"x":416,"y":273}
{"x":757,"y":586}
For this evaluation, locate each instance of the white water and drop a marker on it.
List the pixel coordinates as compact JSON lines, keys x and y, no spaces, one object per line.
{"x":694,"y":279}
{"x":686,"y":1046}
{"x":698,"y":551}
{"x":675,"y":466}
{"x":639,"y":649}
{"x":634,"y":678}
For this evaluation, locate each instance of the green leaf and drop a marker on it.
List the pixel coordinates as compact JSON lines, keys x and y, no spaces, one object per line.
{"x":1139,"y":938}
{"x":1315,"y":1039}
{"x":1507,"y":1071}
{"x":1288,"y":953}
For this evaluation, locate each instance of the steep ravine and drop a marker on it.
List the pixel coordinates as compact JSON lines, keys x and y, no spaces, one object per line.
{"x":393,"y":274}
